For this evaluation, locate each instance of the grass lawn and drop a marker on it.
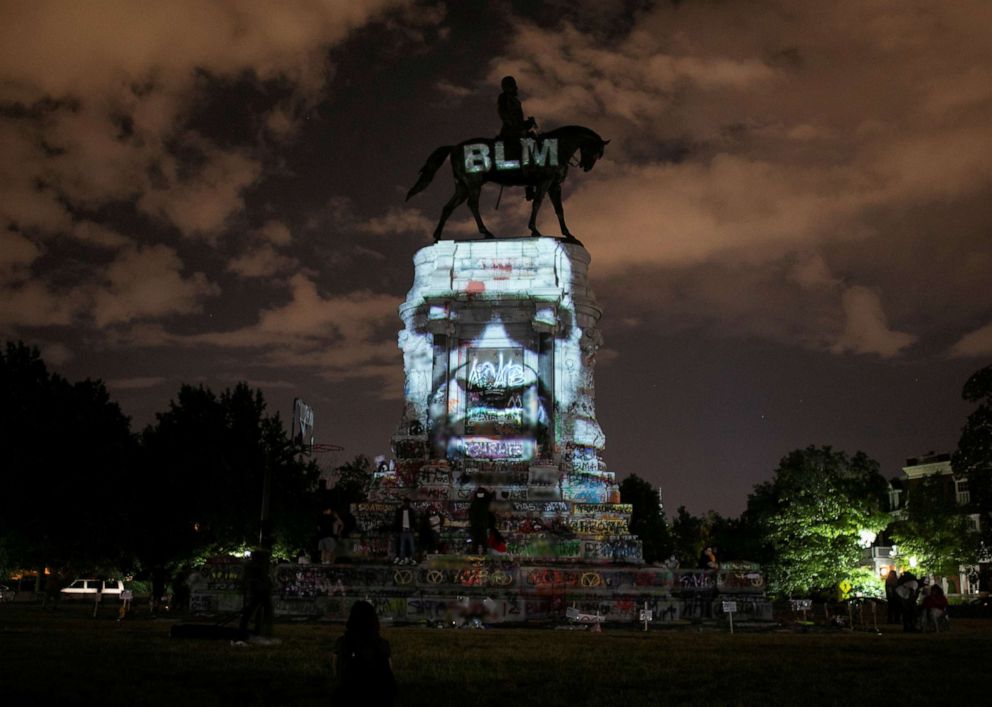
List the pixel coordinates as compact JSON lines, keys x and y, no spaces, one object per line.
{"x":66,"y":657}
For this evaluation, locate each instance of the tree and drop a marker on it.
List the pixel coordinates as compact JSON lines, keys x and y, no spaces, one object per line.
{"x":646,"y":520}
{"x":934,"y":529}
{"x":814,"y":513}
{"x":735,"y":539}
{"x":352,"y":482}
{"x":973,"y":457}
{"x":66,"y":450}
{"x":688,"y":537}
{"x":204,"y":461}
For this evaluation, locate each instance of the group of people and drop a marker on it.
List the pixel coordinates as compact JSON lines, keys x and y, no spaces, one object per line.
{"x":408,"y":528}
{"x":902,"y":594}
{"x":411,"y":530}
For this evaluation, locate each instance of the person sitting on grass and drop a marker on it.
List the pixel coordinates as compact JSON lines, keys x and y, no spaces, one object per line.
{"x":361,"y":662}
{"x":934,"y":608}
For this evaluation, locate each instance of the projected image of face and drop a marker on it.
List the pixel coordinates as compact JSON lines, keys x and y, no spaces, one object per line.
{"x":501,"y":405}
{"x":494,"y":405}
{"x":496,"y":385}
{"x":513,"y":329}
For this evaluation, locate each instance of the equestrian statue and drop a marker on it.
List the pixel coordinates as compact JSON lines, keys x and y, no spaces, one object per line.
{"x":516,"y":157}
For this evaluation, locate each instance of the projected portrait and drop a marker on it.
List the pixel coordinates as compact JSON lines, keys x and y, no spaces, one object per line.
{"x":499,"y":389}
{"x":508,"y":385}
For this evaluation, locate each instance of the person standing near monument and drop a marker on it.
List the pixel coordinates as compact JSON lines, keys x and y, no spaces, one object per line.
{"x":479,"y":520}
{"x":430,"y":539}
{"x":331,"y":526}
{"x":404,"y":521}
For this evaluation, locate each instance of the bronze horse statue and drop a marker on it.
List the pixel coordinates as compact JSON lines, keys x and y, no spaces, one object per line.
{"x":541,"y":163}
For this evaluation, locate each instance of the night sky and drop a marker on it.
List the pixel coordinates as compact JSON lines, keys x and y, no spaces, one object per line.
{"x":790,"y":230}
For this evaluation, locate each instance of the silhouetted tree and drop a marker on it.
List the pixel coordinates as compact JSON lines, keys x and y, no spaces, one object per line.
{"x":688,"y":536}
{"x":352,"y":480}
{"x":65,"y":450}
{"x":973,"y":457}
{"x":351,"y":485}
{"x":735,"y":539}
{"x":204,"y":461}
{"x":646,"y":520}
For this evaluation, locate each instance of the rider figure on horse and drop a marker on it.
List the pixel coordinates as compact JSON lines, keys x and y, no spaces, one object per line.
{"x":511,"y":112}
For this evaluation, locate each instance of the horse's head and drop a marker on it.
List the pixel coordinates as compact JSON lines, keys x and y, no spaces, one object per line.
{"x":591,"y":151}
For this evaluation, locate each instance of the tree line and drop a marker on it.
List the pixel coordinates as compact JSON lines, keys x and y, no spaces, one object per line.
{"x":810,"y":525}
{"x":82,"y":492}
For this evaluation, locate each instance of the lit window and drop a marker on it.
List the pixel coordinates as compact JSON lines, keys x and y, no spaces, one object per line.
{"x":961,"y":492}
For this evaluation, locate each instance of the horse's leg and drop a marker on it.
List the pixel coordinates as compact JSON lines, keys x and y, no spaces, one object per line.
{"x":555,"y":193}
{"x":539,"y":191}
{"x":473,"y":203}
{"x":461,"y":193}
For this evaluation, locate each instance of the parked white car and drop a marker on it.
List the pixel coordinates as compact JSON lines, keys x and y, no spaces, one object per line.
{"x":88,"y":587}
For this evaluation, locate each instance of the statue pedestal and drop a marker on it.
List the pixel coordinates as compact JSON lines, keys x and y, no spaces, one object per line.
{"x":499,"y":347}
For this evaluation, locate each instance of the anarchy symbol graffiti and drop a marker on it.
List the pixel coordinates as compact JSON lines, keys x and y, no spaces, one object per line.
{"x":435,"y":576}
{"x":591,"y":579}
{"x":403,"y":577}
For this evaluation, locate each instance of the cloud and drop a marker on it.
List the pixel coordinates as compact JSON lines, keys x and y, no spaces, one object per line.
{"x":262,"y":261}
{"x":866,"y":330}
{"x":35,"y":304}
{"x":202,"y":204}
{"x":16,"y":255}
{"x":56,"y":354}
{"x":98,"y":235}
{"x":974,"y":344}
{"x":105,"y":155}
{"x":811,"y":271}
{"x":136,"y":383}
{"x":340,"y":336}
{"x":149,"y":282}
{"x":397,"y":221}
{"x":274,"y":232}
{"x":727,"y":207}
{"x":310,"y":316}
{"x":454,"y":91}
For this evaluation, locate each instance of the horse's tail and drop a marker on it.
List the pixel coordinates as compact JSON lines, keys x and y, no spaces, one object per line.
{"x":429,"y":169}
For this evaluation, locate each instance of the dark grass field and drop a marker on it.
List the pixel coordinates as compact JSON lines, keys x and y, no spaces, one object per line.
{"x":66,"y":657}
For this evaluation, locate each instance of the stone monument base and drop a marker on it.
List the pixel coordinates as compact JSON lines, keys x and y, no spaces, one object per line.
{"x":466,"y":590}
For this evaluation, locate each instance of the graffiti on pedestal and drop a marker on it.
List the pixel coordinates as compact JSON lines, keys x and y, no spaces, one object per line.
{"x":740,"y":577}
